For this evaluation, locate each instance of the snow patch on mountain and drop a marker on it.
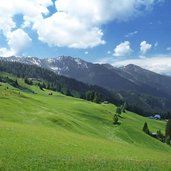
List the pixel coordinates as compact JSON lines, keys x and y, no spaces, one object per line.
{"x":81,"y":63}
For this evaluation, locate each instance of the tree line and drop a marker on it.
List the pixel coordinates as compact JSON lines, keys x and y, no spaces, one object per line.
{"x":159,"y":135}
{"x":45,"y":78}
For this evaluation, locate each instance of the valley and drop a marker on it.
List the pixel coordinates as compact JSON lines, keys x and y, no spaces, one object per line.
{"x":85,"y":85}
{"x":56,"y":132}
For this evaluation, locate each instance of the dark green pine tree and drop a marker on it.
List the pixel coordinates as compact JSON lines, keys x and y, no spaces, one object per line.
{"x":168,"y":131}
{"x":115,"y":119}
{"x":68,"y":92}
{"x":160,"y":136}
{"x":118,"y":110}
{"x":89,"y":95}
{"x":123,"y":107}
{"x":59,"y":88}
{"x":146,"y":129}
{"x":96,"y":98}
{"x":16,"y":83}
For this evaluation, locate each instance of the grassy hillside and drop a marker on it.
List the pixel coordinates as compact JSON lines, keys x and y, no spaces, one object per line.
{"x":42,"y":132}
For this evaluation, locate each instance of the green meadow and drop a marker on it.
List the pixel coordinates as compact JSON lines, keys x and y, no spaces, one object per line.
{"x":57,"y":132}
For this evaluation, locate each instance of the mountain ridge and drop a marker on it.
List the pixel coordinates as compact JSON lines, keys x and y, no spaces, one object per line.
{"x":141,"y":88}
{"x":130,"y":77}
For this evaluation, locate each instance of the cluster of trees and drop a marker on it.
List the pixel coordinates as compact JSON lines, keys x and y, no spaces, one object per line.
{"x":168,"y":132}
{"x":28,"y":81}
{"x":93,"y":96}
{"x":146,"y":105}
{"x":163,"y":138}
{"x":166,"y":115}
{"x":12,"y":82}
{"x":46,"y":85}
{"x":119,"y":110}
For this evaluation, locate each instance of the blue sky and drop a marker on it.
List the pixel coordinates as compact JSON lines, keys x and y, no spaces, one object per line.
{"x":103,"y":31}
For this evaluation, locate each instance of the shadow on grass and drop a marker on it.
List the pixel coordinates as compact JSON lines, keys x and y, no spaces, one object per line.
{"x":121,"y":117}
{"x":117,"y":123}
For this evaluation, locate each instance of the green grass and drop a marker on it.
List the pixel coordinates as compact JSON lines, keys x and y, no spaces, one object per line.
{"x":42,"y":132}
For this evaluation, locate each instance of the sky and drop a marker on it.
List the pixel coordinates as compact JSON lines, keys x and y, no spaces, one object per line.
{"x":100,"y":31}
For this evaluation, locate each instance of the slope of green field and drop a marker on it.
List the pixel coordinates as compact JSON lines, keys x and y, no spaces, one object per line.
{"x":42,"y":132}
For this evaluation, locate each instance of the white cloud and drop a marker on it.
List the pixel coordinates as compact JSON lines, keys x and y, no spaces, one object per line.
{"x":75,"y":17}
{"x":122,"y":49}
{"x":161,"y":65}
{"x":4,"y":52}
{"x":101,"y":11}
{"x":31,"y":10}
{"x":145,"y":47}
{"x":131,"y":34}
{"x":18,"y":40}
{"x":76,"y":24}
{"x":6,"y":24}
{"x":64,"y":30}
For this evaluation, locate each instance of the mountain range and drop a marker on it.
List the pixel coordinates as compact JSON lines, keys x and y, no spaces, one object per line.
{"x":131,"y":82}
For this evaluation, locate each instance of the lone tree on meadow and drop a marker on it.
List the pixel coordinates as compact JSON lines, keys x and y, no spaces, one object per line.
{"x":118,"y":110}
{"x":121,"y":109}
{"x":115,"y":119}
{"x":146,"y":129}
{"x":168,"y":131}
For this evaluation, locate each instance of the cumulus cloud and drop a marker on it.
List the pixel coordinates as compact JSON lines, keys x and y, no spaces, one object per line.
{"x":18,"y":40}
{"x":145,"y":47}
{"x":76,"y":24}
{"x":6,"y":24}
{"x":122,"y":49}
{"x":32,"y":11}
{"x":161,"y":65}
{"x":95,"y":11}
{"x":62,"y":29}
{"x":5,"y":52}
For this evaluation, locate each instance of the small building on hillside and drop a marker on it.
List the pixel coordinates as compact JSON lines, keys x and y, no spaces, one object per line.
{"x":153,"y":134}
{"x":157,"y":116}
{"x":105,"y":102}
